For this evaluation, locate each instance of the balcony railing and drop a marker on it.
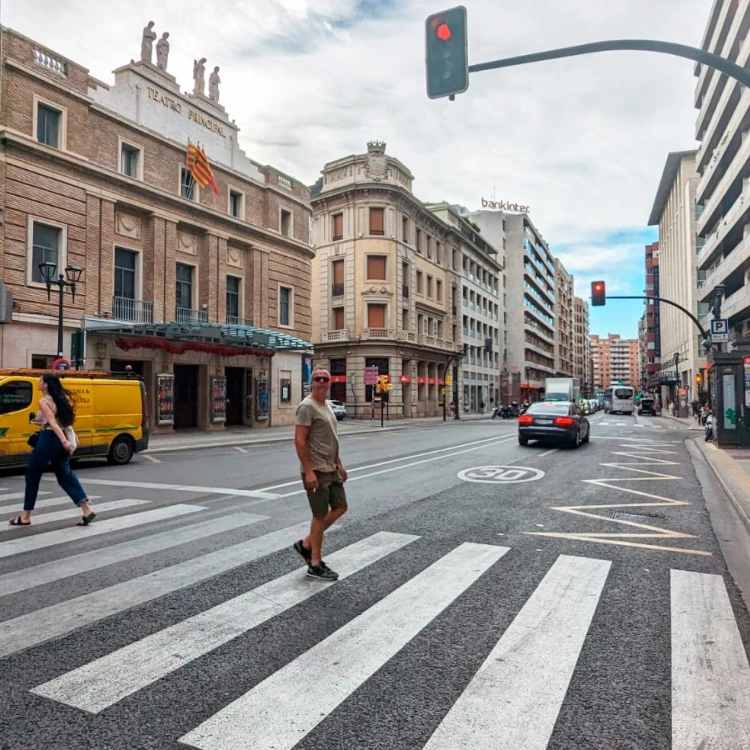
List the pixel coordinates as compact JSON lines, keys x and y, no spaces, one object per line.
{"x":377,"y":333}
{"x":340,"y":335}
{"x":337,"y":290}
{"x":191,"y":317}
{"x":132,"y":310}
{"x":233,"y":320}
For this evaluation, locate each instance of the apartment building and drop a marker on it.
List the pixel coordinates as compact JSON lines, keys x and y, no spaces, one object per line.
{"x":651,"y":354}
{"x":677,"y":270}
{"x":386,"y":288}
{"x":529,"y":299}
{"x":564,"y":314}
{"x":205,"y":294}
{"x":615,"y":360}
{"x":481,"y":308}
{"x":723,"y":165}
{"x":582,"y":346}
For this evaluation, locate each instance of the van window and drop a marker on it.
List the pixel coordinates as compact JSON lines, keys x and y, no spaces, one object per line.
{"x":15,"y":396}
{"x":624,"y":393}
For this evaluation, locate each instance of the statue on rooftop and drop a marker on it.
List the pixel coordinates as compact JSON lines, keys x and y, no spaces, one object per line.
{"x":147,"y":42}
{"x":162,"y":51}
{"x":199,"y":76}
{"x":213,"y":85}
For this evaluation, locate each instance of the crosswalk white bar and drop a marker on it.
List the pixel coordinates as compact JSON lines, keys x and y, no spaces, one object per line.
{"x":710,"y":672}
{"x":73,"y":513}
{"x":56,"y":570}
{"x":47,"y":502}
{"x":102,"y":683}
{"x":286,"y":706}
{"x":18,"y":496}
{"x":102,"y":526}
{"x":59,"y":619}
{"x":513,"y":700}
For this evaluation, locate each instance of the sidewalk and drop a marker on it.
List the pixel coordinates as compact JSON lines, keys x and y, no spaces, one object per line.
{"x":688,"y":422}
{"x":238,"y":436}
{"x":731,"y":467}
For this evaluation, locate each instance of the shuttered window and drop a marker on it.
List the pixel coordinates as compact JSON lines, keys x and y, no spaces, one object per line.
{"x":338,"y":226}
{"x":376,"y":267}
{"x":338,"y":318}
{"x":338,"y":271}
{"x":376,"y":221}
{"x":376,"y":316}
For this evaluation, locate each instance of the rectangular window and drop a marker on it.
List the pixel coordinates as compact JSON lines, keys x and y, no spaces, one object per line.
{"x":429,"y":286}
{"x":184,"y":288}
{"x":130,"y":161}
{"x":418,"y":241}
{"x":439,"y":290}
{"x":337,"y":272}
{"x":376,"y":316}
{"x":15,"y":396}
{"x":405,"y":229}
{"x":286,"y":222}
{"x":285,"y":306}
{"x":46,"y":248}
{"x":338,"y":319}
{"x":188,"y":187}
{"x":419,"y":283}
{"x":338,"y":226}
{"x":376,"y":221}
{"x":233,"y":299}
{"x":235,"y":204}
{"x":48,"y":125}
{"x":125,"y":273}
{"x":376,"y":267}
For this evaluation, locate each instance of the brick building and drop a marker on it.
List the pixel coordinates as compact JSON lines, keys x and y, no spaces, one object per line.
{"x":616,"y":361}
{"x":207,"y":296}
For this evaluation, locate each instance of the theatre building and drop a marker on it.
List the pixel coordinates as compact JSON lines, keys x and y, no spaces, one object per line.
{"x":204,"y":291}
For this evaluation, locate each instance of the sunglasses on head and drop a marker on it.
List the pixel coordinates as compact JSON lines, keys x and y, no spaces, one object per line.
{"x":321,"y":379}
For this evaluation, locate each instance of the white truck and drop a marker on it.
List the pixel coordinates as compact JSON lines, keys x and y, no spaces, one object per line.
{"x":562,"y":389}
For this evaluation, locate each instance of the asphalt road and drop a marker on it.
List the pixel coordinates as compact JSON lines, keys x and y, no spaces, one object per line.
{"x":491,"y":596}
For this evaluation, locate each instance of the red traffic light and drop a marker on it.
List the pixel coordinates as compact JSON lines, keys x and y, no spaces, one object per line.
{"x":444,"y":32}
{"x":598,"y":287}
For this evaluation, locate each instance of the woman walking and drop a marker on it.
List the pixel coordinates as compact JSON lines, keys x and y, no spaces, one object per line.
{"x":56,"y":443}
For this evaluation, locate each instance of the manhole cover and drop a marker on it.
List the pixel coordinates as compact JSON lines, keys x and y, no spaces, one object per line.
{"x":637,"y":517}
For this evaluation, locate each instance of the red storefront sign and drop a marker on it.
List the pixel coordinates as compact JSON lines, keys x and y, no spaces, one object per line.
{"x":421,"y":381}
{"x":431,"y":381}
{"x":338,"y":378}
{"x":405,"y":379}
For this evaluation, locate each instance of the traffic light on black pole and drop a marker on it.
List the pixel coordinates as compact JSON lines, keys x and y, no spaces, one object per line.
{"x":598,"y":293}
{"x":447,"y":53}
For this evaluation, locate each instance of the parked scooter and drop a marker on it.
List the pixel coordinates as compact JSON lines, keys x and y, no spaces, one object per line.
{"x":506,"y":412}
{"x":709,"y":428}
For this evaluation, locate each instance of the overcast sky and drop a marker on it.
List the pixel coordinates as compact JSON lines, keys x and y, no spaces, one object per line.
{"x":582,"y":141}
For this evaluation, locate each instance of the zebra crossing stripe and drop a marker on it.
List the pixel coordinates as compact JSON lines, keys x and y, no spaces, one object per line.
{"x":710,"y":672}
{"x":56,"y":570}
{"x":59,"y":619}
{"x":106,"y":681}
{"x":514,"y":699}
{"x":74,"y":534}
{"x":50,"y":502}
{"x":73,"y":513}
{"x":19,"y":496}
{"x":286,"y":706}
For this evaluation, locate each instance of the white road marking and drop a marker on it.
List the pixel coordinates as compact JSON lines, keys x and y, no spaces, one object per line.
{"x":102,"y":683}
{"x":50,"y":502}
{"x":72,"y":513}
{"x":184,"y":488}
{"x":151,"y":459}
{"x":710,"y":672}
{"x":500,"y":474}
{"x":76,"y":534}
{"x":548,"y":453}
{"x":280,"y":711}
{"x":514,"y":699}
{"x":392,"y":461}
{"x":56,"y":570}
{"x":17,"y":496}
{"x":413,"y":463}
{"x":59,"y":619}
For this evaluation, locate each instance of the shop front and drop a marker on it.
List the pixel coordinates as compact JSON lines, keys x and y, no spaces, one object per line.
{"x":206,"y":377}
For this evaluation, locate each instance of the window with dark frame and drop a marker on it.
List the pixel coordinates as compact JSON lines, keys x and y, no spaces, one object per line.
{"x":184,"y":287}
{"x":125,"y":268}
{"x":46,"y":241}
{"x":235,"y":204}
{"x":285,"y":222}
{"x":285,"y":301}
{"x":233,"y":298}
{"x":187,"y":184}
{"x":48,"y":121}
{"x":130,"y":158}
{"x":15,"y":396}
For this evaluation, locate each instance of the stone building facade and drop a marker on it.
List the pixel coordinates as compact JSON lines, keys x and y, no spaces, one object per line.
{"x":582,"y":367}
{"x":386,"y":290}
{"x":205,"y":295}
{"x":564,"y":314}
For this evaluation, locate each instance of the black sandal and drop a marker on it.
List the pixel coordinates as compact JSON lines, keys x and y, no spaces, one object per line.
{"x":19,"y":522}
{"x":86,"y":520}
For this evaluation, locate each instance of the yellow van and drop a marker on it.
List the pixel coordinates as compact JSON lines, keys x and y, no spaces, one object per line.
{"x":111,"y":414}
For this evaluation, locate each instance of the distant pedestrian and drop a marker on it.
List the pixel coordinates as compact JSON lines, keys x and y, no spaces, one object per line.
{"x":56,"y":442}
{"x":323,"y":475}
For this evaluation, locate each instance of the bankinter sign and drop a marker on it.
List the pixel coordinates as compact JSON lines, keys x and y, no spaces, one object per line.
{"x":505,"y":206}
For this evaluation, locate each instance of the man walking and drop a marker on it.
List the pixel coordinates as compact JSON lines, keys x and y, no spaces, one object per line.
{"x":317,"y":444}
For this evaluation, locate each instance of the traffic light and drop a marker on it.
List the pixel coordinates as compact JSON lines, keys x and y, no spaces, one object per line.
{"x":699,"y":379}
{"x":598,"y":293}
{"x":447,"y":53}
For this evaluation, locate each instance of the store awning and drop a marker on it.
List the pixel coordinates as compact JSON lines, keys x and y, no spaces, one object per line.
{"x":250,"y":337}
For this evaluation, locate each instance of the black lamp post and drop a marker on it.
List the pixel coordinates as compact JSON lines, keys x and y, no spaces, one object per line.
{"x":71,"y":278}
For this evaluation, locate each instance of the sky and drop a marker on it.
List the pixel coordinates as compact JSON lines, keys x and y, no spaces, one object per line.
{"x":582,"y":141}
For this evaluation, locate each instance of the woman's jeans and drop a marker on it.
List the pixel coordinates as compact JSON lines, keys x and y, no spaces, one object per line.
{"x":49,"y":450}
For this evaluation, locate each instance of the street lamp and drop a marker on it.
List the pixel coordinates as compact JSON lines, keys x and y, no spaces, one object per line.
{"x":70,"y":279}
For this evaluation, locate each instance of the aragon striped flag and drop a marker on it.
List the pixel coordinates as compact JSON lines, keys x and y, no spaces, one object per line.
{"x":197,"y":163}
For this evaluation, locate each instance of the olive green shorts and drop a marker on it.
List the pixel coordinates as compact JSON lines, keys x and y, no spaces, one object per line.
{"x":329,"y":495}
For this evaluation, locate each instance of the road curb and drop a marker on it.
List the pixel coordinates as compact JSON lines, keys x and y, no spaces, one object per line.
{"x":742,"y":508}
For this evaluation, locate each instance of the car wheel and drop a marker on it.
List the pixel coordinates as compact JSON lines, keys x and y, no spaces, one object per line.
{"x":121,"y":450}
{"x":523,"y":441}
{"x":577,"y":440}
{"x":588,"y":437}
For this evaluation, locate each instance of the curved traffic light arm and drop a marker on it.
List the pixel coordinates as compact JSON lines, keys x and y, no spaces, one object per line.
{"x":641,"y":45}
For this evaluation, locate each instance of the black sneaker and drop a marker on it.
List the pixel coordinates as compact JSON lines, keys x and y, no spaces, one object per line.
{"x":322,"y":571}
{"x":305,"y":553}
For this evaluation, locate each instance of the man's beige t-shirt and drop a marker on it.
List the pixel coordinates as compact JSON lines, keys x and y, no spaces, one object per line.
{"x":322,"y":439}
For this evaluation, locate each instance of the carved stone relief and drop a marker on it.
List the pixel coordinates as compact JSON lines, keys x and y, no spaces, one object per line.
{"x":234,"y":257}
{"x":128,"y":225}
{"x":187,"y":243}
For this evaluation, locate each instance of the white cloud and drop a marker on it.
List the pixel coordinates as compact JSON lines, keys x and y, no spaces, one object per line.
{"x":583,"y":140}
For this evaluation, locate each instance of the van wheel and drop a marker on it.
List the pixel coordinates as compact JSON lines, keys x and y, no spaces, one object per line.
{"x":121,"y":451}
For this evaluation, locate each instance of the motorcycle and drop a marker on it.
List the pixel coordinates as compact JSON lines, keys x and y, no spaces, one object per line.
{"x":505,"y":412}
{"x":709,"y":427}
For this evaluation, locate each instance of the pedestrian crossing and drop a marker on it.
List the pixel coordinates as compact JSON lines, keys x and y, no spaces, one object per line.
{"x":610,"y":423}
{"x":513,"y":699}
